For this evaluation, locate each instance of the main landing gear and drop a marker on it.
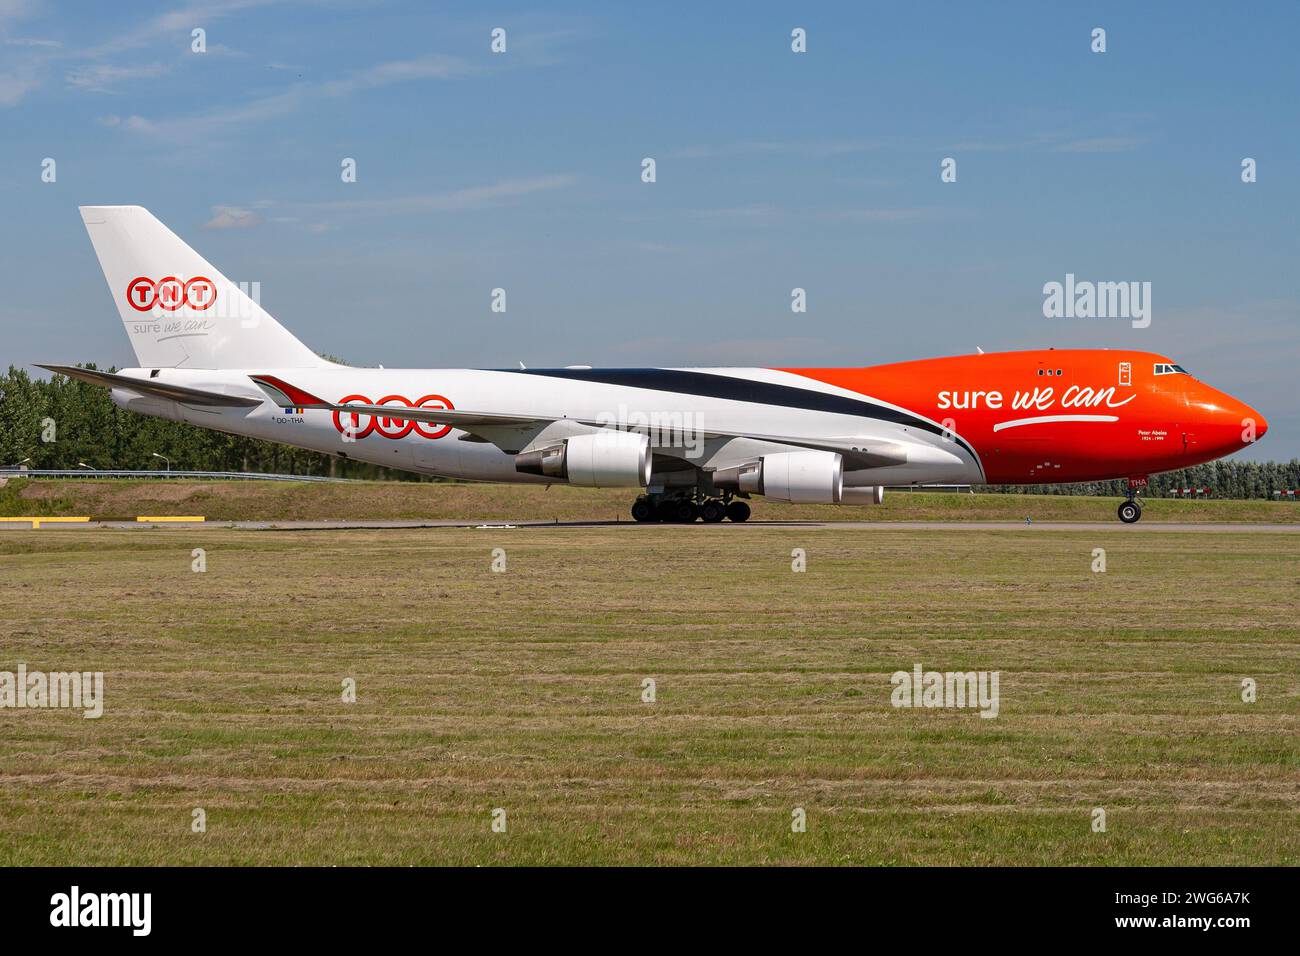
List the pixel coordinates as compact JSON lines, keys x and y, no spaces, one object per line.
{"x":685,"y":509}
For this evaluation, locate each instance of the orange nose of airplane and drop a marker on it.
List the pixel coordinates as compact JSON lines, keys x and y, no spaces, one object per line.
{"x":1224,"y":422}
{"x":1261,"y":424}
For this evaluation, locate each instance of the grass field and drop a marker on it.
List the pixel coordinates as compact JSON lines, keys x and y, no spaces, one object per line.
{"x":284,"y":501}
{"x":522,"y":690}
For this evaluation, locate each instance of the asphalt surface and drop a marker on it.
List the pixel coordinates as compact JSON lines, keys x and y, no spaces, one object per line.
{"x":1037,"y":526}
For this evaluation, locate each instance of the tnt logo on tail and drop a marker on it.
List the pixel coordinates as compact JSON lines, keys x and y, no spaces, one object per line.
{"x":144,"y":294}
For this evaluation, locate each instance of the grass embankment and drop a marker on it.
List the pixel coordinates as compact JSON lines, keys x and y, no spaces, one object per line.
{"x":394,"y":500}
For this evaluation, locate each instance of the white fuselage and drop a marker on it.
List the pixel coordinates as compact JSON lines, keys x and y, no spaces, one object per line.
{"x":715,"y":430}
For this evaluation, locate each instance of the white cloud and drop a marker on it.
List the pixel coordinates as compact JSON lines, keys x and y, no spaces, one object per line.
{"x":472,"y":197}
{"x":175,"y":22}
{"x":135,"y":123}
{"x":878,"y":215}
{"x":22,"y":75}
{"x":433,"y":67}
{"x":232,"y":217}
{"x":1101,"y":144}
{"x":221,"y":49}
{"x":295,"y":97}
{"x":754,"y":211}
{"x":662,"y":247}
{"x":13,"y":88}
{"x":101,"y":77}
{"x":762,"y":214}
{"x":529,"y":50}
{"x":13,"y":10}
{"x":34,"y":58}
{"x":204,"y":125}
{"x":1061,"y":141}
{"x":794,"y":147}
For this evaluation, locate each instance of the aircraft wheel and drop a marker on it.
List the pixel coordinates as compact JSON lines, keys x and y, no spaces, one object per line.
{"x":713,"y":511}
{"x":738,"y":511}
{"x":642,"y":510}
{"x":1129,"y":512}
{"x":685,"y":511}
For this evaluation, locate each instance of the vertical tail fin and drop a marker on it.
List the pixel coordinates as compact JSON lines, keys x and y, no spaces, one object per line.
{"x":178,"y":310}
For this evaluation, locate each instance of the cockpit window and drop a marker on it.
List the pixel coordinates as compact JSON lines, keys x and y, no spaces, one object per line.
{"x":1164,"y":368}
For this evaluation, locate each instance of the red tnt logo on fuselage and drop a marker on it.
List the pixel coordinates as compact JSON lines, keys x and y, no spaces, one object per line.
{"x":391,"y":427}
{"x":170,"y":293}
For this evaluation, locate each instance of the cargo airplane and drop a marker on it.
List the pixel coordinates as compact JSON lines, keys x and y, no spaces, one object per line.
{"x":697,"y":442}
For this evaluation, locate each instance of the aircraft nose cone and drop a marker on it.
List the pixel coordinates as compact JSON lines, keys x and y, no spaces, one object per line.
{"x":1234,"y":423}
{"x":1261,"y":424}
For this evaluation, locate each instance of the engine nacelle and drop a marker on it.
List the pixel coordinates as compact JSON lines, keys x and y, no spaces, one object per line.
{"x":863,"y":495}
{"x":605,"y":459}
{"x":547,"y":461}
{"x":146,"y":404}
{"x":801,"y":477}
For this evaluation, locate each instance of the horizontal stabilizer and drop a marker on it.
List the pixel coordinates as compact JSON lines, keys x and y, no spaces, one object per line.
{"x":176,"y":393}
{"x":290,"y":396}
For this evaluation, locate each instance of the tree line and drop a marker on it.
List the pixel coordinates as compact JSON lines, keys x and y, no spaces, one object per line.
{"x":1224,"y":479}
{"x":62,"y":423}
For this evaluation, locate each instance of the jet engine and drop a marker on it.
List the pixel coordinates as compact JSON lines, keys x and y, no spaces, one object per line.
{"x":605,"y":459}
{"x":801,"y":477}
{"x":863,"y":495}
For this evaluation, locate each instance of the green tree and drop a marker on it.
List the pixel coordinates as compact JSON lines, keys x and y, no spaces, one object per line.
{"x":23,"y":406}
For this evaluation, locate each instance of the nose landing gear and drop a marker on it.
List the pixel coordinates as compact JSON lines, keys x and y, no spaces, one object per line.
{"x":1130,"y":511}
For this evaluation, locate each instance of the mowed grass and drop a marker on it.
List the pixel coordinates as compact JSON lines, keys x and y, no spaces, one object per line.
{"x":465,"y":501}
{"x":522,"y":690}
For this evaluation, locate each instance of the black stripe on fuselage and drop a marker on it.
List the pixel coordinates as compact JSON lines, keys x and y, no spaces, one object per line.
{"x":739,"y":390}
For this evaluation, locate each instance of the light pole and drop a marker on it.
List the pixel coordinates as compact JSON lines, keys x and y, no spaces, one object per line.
{"x":164,"y":458}
{"x":82,"y":464}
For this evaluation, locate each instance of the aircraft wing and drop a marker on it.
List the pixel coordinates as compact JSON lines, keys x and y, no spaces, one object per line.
{"x":859,"y":452}
{"x":145,"y":386}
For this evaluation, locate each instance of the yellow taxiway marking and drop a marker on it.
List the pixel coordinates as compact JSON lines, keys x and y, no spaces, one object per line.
{"x":170,"y":518}
{"x":37,"y":521}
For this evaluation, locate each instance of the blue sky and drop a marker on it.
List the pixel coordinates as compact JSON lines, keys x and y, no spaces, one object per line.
{"x":774,"y":170}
